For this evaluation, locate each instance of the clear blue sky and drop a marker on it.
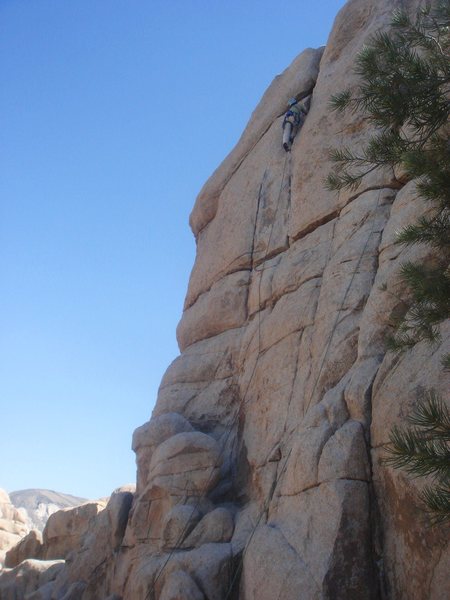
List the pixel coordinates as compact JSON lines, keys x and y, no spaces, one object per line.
{"x":112,"y":115}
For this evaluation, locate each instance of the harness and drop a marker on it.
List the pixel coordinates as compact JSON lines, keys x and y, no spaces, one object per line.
{"x":297,"y":115}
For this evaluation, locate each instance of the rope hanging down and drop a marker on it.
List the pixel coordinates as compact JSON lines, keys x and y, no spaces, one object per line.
{"x":243,"y":401}
{"x":279,"y":477}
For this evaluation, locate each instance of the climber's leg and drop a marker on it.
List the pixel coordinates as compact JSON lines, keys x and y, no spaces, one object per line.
{"x":294,"y":130}
{"x":287,"y":130}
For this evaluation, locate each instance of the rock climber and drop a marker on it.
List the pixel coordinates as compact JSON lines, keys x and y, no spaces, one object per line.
{"x":293,"y":120}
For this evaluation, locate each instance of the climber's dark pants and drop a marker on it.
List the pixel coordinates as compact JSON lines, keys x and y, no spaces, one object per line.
{"x":289,"y":131}
{"x":290,"y":128}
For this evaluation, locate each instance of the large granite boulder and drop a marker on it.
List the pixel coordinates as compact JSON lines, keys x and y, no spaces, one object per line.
{"x":65,"y":529}
{"x":30,"y":546}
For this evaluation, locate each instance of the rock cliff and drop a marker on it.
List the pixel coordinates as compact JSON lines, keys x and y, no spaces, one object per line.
{"x":259,"y":476}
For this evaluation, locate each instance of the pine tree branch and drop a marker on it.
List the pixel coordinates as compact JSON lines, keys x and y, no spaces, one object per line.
{"x":417,"y":56}
{"x":437,"y":502}
{"x":434,"y":231}
{"x":402,"y":91}
{"x":418,"y":454}
{"x":432,"y":416}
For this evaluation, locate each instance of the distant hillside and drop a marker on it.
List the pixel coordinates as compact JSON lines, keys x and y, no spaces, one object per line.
{"x":40,"y":504}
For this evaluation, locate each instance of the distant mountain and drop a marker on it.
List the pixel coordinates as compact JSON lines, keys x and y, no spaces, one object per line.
{"x":40,"y":504}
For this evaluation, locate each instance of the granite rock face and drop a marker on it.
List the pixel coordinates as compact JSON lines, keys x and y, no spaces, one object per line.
{"x":31,"y":580}
{"x":66,"y":529}
{"x":260,"y":473}
{"x":30,"y":546}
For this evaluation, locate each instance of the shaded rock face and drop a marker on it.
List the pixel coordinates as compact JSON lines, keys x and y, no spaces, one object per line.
{"x":30,"y":546}
{"x":74,"y":557}
{"x":31,"y":580}
{"x":260,"y":473}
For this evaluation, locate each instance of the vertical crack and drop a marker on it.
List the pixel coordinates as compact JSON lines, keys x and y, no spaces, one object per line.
{"x":258,"y":206}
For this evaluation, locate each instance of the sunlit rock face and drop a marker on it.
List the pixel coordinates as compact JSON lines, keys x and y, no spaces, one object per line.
{"x":13,"y":525}
{"x":260,"y":474}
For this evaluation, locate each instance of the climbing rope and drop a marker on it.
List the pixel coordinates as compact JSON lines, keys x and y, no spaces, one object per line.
{"x":258,"y":269}
{"x":279,"y":477}
{"x":243,"y":401}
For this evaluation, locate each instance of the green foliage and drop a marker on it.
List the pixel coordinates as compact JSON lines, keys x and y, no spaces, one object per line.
{"x":437,"y":500}
{"x":423,"y":449}
{"x":434,"y":231}
{"x":405,"y":82}
{"x":430,"y":305}
{"x":404,"y":92}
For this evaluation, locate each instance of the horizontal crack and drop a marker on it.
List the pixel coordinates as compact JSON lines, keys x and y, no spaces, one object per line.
{"x":336,"y":213}
{"x":221,"y":275}
{"x":317,"y":485}
{"x":315,"y":225}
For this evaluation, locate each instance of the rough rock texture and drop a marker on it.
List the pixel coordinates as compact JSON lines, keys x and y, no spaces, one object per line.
{"x":30,"y":546}
{"x":66,"y":529}
{"x":260,"y":474}
{"x":31,"y":580}
{"x":13,"y":525}
{"x":92,"y":563}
